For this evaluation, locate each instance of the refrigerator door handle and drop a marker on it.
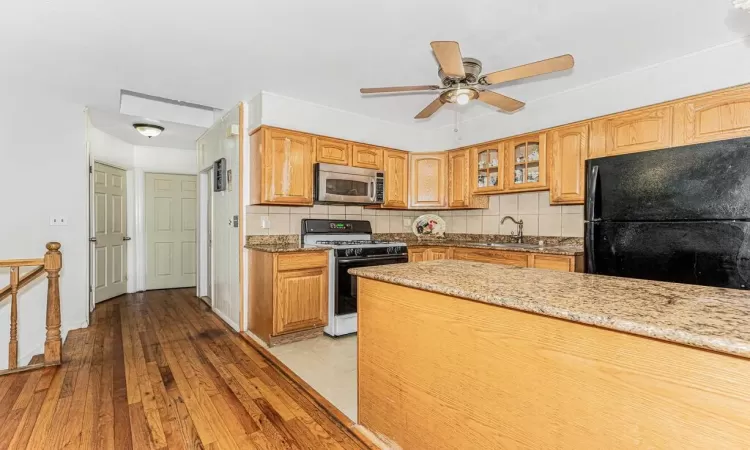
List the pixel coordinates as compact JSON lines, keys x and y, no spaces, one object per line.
{"x":593,"y":180}
{"x":589,"y":248}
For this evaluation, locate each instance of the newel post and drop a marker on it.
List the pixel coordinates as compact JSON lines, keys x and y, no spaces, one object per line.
{"x":53,"y":343}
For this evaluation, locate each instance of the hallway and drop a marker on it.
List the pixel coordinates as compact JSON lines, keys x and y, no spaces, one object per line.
{"x":159,"y":370}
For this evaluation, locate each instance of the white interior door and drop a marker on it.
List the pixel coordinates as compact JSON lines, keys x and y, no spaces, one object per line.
{"x":171,"y":217}
{"x":110,"y":219}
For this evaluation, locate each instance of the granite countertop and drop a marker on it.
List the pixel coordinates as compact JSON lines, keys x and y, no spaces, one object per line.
{"x":284,"y":248}
{"x":710,"y":318}
{"x":567,"y":250}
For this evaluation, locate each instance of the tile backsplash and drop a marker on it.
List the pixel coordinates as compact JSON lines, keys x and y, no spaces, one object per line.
{"x":539,"y":218}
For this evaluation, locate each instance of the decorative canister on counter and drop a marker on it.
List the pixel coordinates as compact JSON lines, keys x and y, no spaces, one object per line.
{"x":429,"y":225}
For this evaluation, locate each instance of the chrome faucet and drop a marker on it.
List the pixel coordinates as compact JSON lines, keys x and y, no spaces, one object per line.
{"x":519,"y":235}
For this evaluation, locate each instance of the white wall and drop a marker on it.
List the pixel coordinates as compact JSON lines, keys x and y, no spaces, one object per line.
{"x":137,"y":160}
{"x":43,"y":172}
{"x":286,"y":112}
{"x":218,"y":143}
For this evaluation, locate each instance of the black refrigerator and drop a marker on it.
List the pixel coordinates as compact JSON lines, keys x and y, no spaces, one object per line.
{"x":680,"y":215}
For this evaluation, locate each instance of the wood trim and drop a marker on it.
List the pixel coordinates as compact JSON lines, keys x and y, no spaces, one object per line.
{"x":26,"y":279}
{"x":333,"y":412}
{"x":243,"y":253}
{"x":22,"y":262}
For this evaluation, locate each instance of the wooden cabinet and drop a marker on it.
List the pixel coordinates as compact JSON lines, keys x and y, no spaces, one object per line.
{"x":567,"y":161}
{"x":488,"y":168}
{"x":437,"y":253}
{"x":282,"y":164}
{"x":556,"y":262}
{"x":526,"y":161}
{"x":459,"y":182}
{"x":518,"y":259}
{"x":288,"y":292}
{"x":367,"y":157}
{"x":427,"y":183}
{"x":713,"y":117}
{"x":396,"y":168}
{"x":419,"y":253}
{"x":635,"y":131}
{"x":299,"y":303}
{"x":332,"y":151}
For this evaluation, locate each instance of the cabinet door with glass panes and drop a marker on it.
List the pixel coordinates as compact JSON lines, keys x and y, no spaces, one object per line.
{"x":488,"y":168}
{"x":527,"y":163}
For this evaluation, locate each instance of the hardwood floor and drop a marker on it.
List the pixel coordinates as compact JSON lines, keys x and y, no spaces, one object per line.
{"x":159,"y":370}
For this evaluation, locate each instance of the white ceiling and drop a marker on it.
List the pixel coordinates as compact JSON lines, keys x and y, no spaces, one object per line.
{"x":175,"y":135}
{"x":218,"y":52}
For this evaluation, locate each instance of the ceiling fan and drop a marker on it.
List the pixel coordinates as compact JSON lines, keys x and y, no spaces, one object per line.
{"x":462,"y":82}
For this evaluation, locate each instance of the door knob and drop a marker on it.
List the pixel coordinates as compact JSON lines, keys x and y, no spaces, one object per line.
{"x":126,"y":238}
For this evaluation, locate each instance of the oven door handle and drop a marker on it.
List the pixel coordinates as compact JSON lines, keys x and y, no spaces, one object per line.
{"x":370,"y":258}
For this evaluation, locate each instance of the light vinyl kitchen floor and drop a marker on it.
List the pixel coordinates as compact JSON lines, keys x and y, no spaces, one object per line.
{"x":328,"y":365}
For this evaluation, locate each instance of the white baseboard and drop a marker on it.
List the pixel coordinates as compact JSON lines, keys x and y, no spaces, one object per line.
{"x":226,"y":319}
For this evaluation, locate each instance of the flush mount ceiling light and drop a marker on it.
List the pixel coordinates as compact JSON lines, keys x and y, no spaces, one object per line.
{"x":148,"y":129}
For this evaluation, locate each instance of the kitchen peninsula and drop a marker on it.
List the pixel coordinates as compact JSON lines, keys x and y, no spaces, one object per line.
{"x":460,"y":354}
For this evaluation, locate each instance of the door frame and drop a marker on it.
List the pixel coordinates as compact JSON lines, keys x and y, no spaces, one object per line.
{"x":205,"y":281}
{"x":92,"y":226}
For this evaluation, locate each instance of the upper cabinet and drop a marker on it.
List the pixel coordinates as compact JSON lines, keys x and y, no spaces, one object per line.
{"x":396,"y":168}
{"x":634,"y":131}
{"x":459,"y":182}
{"x":567,"y":162}
{"x":488,"y":168}
{"x":713,"y":117}
{"x":332,"y":151}
{"x":367,"y":157}
{"x":427,"y":184}
{"x":527,"y":163}
{"x":282,"y":164}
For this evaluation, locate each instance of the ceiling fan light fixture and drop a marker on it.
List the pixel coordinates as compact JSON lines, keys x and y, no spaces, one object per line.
{"x":460,"y":96}
{"x":148,"y":130}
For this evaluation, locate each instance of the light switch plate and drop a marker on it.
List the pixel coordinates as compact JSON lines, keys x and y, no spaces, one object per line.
{"x":407,"y":222}
{"x":58,"y":221}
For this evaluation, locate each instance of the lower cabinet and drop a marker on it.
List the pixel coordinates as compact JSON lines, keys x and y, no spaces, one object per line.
{"x":563,"y":263}
{"x":417,"y":254}
{"x":288,"y":293}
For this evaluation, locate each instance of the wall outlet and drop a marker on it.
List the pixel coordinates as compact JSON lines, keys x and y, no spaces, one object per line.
{"x":265,"y":222}
{"x":407,"y":222}
{"x":58,"y":221}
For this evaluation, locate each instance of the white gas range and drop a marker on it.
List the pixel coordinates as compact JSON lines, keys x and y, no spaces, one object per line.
{"x":351,"y":246}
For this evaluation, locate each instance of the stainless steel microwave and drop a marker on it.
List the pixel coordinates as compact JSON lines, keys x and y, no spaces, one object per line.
{"x":350,"y":185}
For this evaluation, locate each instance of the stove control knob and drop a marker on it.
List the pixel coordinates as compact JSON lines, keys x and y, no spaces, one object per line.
{"x":358,"y":251}
{"x":349,"y":251}
{"x":391,"y":250}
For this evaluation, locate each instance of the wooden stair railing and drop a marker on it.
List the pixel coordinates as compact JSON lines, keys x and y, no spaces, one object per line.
{"x":51,"y":263}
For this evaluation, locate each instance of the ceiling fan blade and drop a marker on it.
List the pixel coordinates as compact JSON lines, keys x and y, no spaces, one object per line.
{"x":563,"y":62}
{"x":506,"y":104}
{"x":449,"y":57}
{"x":430,"y":109}
{"x":398,"y":89}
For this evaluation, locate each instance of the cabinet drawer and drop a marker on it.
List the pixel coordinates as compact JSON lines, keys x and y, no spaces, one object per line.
{"x":492,"y":256}
{"x":302,"y":260}
{"x":553,"y":262}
